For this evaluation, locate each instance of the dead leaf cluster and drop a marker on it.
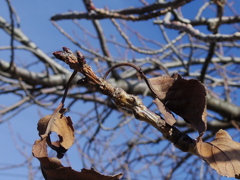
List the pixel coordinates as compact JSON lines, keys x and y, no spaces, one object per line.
{"x":52,"y":169}
{"x":186,"y":98}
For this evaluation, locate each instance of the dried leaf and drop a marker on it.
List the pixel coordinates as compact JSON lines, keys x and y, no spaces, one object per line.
{"x":39,"y":149}
{"x":169,"y":118}
{"x":61,"y":125}
{"x":186,"y":98}
{"x":162,"y":84}
{"x":66,"y":173}
{"x":52,"y":168}
{"x":222,"y":154}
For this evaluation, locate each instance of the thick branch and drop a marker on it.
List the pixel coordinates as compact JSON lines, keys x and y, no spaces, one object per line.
{"x":224,"y":108}
{"x":33,"y":78}
{"x":23,"y":39}
{"x":152,"y":9}
{"x":188,"y":28}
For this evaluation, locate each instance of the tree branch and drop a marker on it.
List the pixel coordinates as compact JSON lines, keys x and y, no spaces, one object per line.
{"x":145,"y":12}
{"x":127,"y":101}
{"x":23,"y":39}
{"x":33,"y":78}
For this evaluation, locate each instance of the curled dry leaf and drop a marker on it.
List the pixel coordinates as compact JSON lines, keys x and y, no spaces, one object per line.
{"x":61,"y":125}
{"x":186,"y":98}
{"x":52,"y":168}
{"x":39,"y":149}
{"x":222,"y":154}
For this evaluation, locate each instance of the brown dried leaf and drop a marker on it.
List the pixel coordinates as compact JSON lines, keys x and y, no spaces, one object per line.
{"x":162,"y":84}
{"x":42,"y":124}
{"x":186,"y":98}
{"x":169,"y":118}
{"x":66,"y":173}
{"x":52,"y":168}
{"x":61,"y":125}
{"x":222,"y":154}
{"x":39,"y":149}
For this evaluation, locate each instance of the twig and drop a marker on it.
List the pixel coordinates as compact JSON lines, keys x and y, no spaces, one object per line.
{"x":207,"y":61}
{"x":188,"y":28}
{"x":11,"y":65}
{"x":139,"y":70}
{"x":146,"y":12}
